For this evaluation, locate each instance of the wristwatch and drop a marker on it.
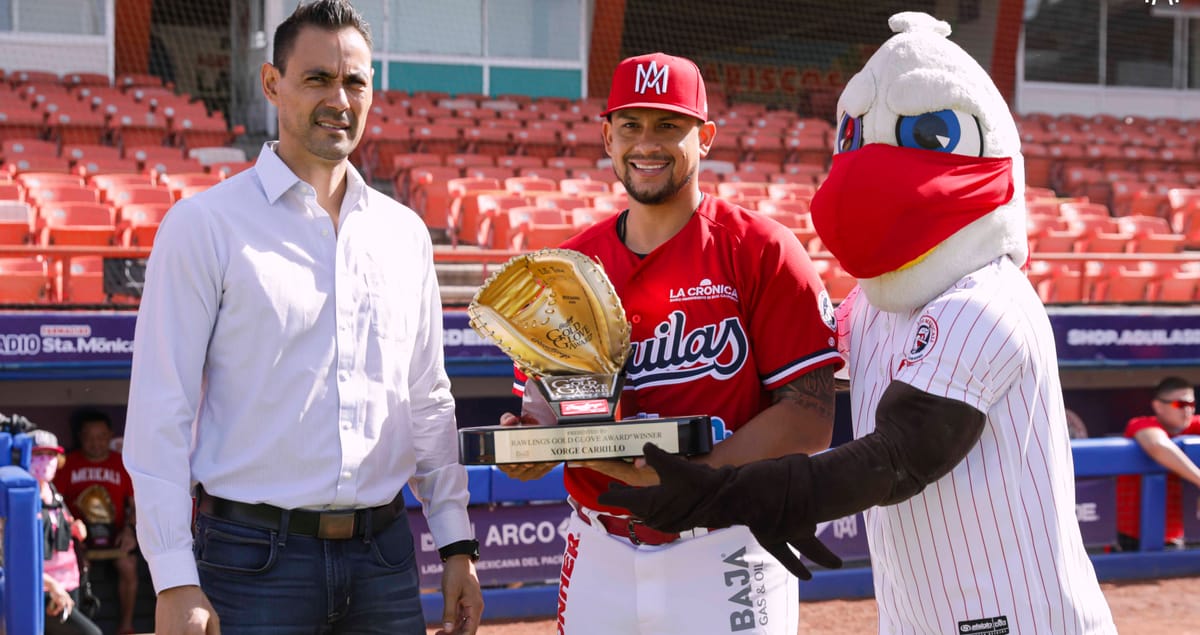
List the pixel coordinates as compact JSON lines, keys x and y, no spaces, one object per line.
{"x":460,"y":548}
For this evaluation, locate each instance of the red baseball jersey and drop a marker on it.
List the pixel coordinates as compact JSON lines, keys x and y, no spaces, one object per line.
{"x":724,"y":312}
{"x":79,"y":477}
{"x":1129,"y":488}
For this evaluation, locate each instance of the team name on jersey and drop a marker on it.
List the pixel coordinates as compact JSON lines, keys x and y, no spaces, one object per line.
{"x":95,"y":475}
{"x":676,"y":355}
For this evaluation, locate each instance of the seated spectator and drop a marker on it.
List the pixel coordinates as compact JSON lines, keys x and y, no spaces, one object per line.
{"x":1174,"y":407}
{"x":60,"y":571}
{"x":98,"y":491}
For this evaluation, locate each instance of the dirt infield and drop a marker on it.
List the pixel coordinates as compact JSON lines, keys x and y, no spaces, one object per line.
{"x":1152,"y":607}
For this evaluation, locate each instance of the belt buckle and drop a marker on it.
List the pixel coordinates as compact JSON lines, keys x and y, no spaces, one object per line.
{"x":336,"y":525}
{"x":632,"y":527}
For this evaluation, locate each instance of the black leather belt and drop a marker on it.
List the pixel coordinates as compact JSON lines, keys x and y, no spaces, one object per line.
{"x":333,"y":525}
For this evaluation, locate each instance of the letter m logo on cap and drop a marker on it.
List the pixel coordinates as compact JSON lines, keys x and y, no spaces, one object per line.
{"x":651,"y":76}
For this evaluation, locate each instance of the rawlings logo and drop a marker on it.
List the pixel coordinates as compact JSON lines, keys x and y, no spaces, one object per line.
{"x":676,"y":355}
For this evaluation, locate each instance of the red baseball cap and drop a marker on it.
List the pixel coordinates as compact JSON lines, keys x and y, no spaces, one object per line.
{"x":659,"y":81}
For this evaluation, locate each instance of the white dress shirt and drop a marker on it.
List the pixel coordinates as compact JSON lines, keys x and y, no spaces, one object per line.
{"x":279,"y":361}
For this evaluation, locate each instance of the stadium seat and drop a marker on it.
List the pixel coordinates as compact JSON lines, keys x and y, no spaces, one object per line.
{"x":1151,"y":234}
{"x":786,"y":206}
{"x":10,"y":191}
{"x":528,"y":184}
{"x":1124,"y":285}
{"x":570,"y":163}
{"x":176,"y":183}
{"x":837,"y":282}
{"x":20,"y":123}
{"x":790,"y":191}
{"x":37,"y":163}
{"x":510,"y":225}
{"x":77,"y":224}
{"x":582,"y":187}
{"x":90,"y":167}
{"x":77,"y":126}
{"x":24,"y":281}
{"x":489,"y":172}
{"x":139,"y":223}
{"x":490,"y":141}
{"x":126,"y":81}
{"x":85,"y":282}
{"x":229,"y":168}
{"x":801,"y":173}
{"x":1179,"y":287}
{"x":152,"y":152}
{"x":17,"y":222}
{"x":120,"y":196}
{"x":429,"y":196}
{"x":437,"y":139}
{"x":583,"y":143}
{"x":614,"y":201}
{"x":584,"y":217}
{"x":493,"y":208}
{"x":517,"y":162}
{"x":551,"y":174}
{"x":560,"y":201}
{"x":161,"y":169}
{"x":216,"y":154}
{"x":81,"y":151}
{"x":31,"y":180}
{"x":13,"y":149}
{"x":1099,"y":235}
{"x":147,"y":129}
{"x":603,"y":175}
{"x":50,"y":194}
{"x":463,"y":212}
{"x":74,"y":79}
{"x":763,"y":145}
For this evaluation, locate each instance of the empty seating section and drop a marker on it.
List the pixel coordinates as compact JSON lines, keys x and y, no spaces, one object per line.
{"x":1114,"y":204}
{"x":88,"y":163}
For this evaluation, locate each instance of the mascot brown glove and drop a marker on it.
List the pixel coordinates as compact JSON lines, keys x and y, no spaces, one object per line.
{"x":696,"y":495}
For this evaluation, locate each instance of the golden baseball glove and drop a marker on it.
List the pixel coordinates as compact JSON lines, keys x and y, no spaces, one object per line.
{"x":554,"y":312}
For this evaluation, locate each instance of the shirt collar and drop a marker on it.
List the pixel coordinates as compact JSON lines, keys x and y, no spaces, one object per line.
{"x":277,"y":178}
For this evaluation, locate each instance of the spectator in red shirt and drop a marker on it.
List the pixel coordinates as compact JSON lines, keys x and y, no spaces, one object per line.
{"x":1174,"y":407}
{"x":98,"y":490}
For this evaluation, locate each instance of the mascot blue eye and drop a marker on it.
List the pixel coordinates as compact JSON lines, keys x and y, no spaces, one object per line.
{"x":849,"y":134}
{"x":942,"y":131}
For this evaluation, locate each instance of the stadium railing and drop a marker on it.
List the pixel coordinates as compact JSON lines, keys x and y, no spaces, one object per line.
{"x":21,"y":567}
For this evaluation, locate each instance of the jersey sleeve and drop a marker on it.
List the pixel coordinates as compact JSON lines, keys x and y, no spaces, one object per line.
{"x":519,"y":379}
{"x":967,"y":348}
{"x":791,"y":321}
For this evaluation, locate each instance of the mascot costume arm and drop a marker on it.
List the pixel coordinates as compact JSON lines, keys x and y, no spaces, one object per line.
{"x":918,"y":438}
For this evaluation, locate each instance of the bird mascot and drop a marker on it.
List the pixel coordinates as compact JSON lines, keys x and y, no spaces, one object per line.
{"x":960,"y":458}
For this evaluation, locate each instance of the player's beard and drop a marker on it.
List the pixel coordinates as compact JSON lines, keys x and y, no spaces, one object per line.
{"x":648,"y":196}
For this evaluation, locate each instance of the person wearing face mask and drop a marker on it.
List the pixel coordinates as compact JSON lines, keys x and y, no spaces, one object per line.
{"x":60,"y":571}
{"x":1174,"y":407}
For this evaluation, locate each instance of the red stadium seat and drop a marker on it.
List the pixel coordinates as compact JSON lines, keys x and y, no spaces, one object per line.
{"x":139,"y":223}
{"x":23,"y":281}
{"x":463,"y":214}
{"x":77,"y":224}
{"x":1151,"y":234}
{"x":17,"y":222}
{"x":584,"y":217}
{"x":528,"y":184}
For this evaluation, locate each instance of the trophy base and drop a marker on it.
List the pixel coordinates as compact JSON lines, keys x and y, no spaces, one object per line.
{"x":499,"y":445}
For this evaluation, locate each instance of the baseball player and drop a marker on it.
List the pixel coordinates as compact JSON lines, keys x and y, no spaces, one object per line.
{"x":961,"y":458}
{"x":728,"y":319}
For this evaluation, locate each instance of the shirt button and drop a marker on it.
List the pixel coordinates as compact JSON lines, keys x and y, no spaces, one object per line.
{"x":324,"y":232}
{"x":345,"y":425}
{"x":346,"y":476}
{"x":343,"y":376}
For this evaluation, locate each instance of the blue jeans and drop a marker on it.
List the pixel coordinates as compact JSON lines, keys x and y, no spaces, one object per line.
{"x":266,"y":582}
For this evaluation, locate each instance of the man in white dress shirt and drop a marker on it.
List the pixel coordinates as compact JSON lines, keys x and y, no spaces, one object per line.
{"x":288,"y":370}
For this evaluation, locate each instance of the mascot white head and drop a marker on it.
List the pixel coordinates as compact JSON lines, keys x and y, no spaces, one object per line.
{"x":927,"y":183}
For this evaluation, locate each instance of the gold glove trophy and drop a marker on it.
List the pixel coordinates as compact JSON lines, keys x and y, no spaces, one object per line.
{"x":556,"y":314}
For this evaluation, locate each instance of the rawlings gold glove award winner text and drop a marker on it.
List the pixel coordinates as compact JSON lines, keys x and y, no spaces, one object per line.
{"x":556,"y":314}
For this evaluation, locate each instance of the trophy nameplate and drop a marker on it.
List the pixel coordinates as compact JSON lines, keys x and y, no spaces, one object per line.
{"x":497,"y":445}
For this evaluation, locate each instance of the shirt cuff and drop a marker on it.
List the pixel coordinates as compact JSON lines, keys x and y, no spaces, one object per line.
{"x":172,"y":569}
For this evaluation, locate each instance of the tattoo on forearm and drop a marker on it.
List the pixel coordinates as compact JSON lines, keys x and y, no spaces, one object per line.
{"x":813,"y":390}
